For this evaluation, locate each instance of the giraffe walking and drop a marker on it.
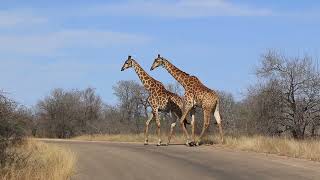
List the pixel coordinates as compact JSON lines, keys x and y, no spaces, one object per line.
{"x":196,"y":94}
{"x":160,"y":99}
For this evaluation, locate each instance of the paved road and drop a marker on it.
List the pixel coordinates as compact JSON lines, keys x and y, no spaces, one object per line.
{"x":131,"y":161}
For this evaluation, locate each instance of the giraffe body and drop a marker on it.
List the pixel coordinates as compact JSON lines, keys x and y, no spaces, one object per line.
{"x":160,"y":99}
{"x":196,"y":94}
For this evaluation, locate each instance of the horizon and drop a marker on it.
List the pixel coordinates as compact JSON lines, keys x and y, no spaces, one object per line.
{"x":75,"y":45}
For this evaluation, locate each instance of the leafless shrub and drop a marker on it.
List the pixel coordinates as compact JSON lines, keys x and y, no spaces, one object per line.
{"x":65,"y":114}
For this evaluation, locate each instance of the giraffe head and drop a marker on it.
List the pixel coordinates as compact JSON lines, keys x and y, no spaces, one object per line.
{"x":128,"y":64}
{"x":159,"y":61}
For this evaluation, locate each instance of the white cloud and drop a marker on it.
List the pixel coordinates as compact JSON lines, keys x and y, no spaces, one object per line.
{"x":179,"y":9}
{"x":16,"y":18}
{"x":54,"y":41}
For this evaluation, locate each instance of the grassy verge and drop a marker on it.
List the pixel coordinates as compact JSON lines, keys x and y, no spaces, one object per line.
{"x":305,"y":149}
{"x":40,"y":161}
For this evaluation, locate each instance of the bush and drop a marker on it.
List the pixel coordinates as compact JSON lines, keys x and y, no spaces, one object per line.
{"x":11,"y":128}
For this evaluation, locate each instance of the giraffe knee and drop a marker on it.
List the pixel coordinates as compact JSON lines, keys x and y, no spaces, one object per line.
{"x":158,"y":124}
{"x":173,"y":125}
{"x":206,"y":125}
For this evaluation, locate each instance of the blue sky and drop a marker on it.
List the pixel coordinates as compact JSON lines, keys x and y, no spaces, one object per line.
{"x":77,"y":44}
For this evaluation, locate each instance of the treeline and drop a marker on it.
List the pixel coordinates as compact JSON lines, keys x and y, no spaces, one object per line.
{"x":285,"y":100}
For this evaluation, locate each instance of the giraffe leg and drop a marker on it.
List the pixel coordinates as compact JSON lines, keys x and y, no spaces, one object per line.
{"x":206,"y":123}
{"x":173,"y":125}
{"x":146,"y":130}
{"x":218,"y":119}
{"x":182,"y":123}
{"x":193,"y":126}
{"x":158,"y":128}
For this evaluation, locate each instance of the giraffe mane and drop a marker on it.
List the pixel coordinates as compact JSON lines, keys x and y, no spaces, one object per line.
{"x":175,"y":66}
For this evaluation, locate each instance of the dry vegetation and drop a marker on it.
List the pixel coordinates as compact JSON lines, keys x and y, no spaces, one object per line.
{"x":305,"y":149}
{"x":39,"y":161}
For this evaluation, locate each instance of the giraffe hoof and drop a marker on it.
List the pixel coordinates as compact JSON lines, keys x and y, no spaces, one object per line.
{"x":146,"y":142}
{"x":191,"y":144}
{"x":159,"y":143}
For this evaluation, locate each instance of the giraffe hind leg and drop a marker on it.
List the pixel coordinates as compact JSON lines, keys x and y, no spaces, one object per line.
{"x":173,"y":125}
{"x":158,"y":128}
{"x":146,"y":130}
{"x":206,"y":123}
{"x":219,"y":122}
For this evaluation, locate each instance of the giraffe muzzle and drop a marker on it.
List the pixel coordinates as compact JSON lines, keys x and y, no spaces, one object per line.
{"x":152,"y":68}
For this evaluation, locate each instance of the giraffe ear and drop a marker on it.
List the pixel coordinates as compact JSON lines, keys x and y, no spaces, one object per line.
{"x":158,"y":55}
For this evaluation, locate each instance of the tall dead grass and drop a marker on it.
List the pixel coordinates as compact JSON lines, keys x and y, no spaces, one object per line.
{"x":40,"y":161}
{"x":305,"y":149}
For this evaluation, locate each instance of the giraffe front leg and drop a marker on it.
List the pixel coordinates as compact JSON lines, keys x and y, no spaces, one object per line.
{"x":182,"y":124}
{"x":146,"y":130}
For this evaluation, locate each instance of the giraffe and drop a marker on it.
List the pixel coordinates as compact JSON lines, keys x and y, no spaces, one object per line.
{"x":196,"y":94}
{"x":160,"y":100}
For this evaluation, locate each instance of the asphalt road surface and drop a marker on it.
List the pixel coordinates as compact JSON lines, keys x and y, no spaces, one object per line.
{"x":133,"y":161}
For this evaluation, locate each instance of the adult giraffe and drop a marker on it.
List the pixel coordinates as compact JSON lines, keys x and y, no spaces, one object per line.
{"x":159,"y":99}
{"x":196,"y":94}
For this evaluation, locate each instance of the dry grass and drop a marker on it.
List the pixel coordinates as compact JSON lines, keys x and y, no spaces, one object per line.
{"x":305,"y":149}
{"x":43,"y":162}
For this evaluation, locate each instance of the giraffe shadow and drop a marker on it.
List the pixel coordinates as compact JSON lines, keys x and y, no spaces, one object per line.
{"x":207,"y":142}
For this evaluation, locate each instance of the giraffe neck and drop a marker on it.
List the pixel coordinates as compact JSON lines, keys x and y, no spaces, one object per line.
{"x":181,"y":76}
{"x":144,"y":77}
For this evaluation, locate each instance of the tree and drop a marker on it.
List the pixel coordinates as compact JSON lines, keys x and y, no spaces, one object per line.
{"x":175,"y":88}
{"x":132,"y":102}
{"x":228,"y":110}
{"x":298,"y":84}
{"x":65,"y":114}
